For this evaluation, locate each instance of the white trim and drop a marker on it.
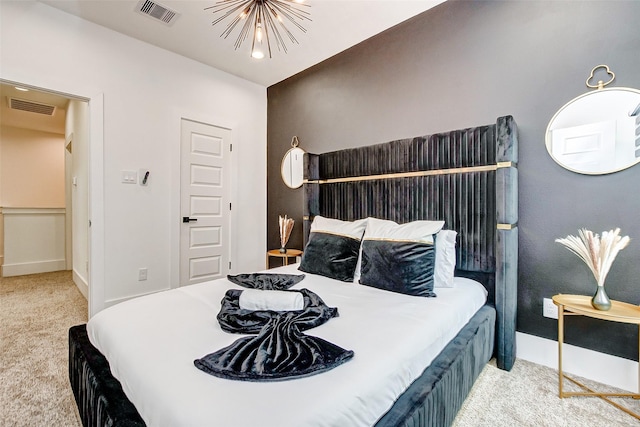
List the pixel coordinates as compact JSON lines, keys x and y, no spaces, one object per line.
{"x":33,"y":211}
{"x":109,"y":303}
{"x":23,"y":268}
{"x":603,"y":368}
{"x":83,"y":286}
{"x":96,"y":206}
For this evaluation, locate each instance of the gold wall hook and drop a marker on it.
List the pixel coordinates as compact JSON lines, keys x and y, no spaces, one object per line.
{"x":600,"y":84}
{"x":295,"y":142}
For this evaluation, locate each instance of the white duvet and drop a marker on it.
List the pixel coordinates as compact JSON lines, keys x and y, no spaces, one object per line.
{"x":152,"y":341}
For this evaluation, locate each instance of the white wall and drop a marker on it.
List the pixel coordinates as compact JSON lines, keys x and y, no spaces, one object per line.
{"x":145,"y":92}
{"x":32,"y":171}
{"x":32,"y":168}
{"x":77,"y":131}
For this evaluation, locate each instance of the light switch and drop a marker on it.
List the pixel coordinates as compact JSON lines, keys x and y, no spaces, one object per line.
{"x":129,"y":177}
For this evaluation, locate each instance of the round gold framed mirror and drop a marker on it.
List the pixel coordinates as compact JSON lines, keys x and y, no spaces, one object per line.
{"x":293,"y":165}
{"x":597,"y":132}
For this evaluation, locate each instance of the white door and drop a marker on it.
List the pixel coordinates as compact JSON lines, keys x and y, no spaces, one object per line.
{"x":588,"y":148}
{"x":204,"y":202}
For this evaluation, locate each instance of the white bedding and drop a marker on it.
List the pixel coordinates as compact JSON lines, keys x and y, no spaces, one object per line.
{"x":152,"y":341}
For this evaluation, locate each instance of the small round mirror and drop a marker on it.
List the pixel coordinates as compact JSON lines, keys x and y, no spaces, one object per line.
{"x":293,"y":165}
{"x":597,"y":133}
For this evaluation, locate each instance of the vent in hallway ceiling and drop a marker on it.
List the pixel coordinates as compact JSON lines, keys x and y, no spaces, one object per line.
{"x":31,"y":106}
{"x":157,"y":11}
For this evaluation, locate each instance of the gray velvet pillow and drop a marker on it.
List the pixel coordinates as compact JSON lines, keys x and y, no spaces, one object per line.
{"x":333,"y":247}
{"x":400,"y":258}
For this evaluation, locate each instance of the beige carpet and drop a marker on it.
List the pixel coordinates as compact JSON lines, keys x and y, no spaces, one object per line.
{"x":36,"y":312}
{"x":528,"y":396}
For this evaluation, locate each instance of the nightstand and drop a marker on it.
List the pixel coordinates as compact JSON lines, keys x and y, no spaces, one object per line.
{"x":580,"y":305}
{"x":290,"y":253}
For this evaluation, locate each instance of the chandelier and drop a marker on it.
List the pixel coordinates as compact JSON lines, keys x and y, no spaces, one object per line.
{"x":264,"y":20}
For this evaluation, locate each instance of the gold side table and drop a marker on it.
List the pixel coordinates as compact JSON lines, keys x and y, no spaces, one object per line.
{"x":290,"y":253}
{"x":580,"y":305}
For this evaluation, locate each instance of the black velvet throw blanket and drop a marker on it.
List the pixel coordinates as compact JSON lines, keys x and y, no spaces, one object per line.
{"x":266,"y":281}
{"x":280,"y":350}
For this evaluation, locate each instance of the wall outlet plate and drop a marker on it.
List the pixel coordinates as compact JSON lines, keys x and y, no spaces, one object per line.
{"x":142,"y":274}
{"x":549,"y":309}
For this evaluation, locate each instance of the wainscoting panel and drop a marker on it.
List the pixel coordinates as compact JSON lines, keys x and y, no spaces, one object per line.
{"x":34,"y":240}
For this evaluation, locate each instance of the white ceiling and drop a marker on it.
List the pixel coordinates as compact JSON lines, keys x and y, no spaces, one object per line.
{"x":336,"y":25}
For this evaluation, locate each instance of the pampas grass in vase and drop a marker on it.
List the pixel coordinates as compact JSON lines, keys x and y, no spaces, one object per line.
{"x":598,"y":254}
{"x":286,"y":225}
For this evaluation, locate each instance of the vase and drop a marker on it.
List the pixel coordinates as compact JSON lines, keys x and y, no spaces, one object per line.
{"x":283,"y":250}
{"x":600,"y":300}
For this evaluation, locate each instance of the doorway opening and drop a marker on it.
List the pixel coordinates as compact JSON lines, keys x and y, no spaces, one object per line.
{"x":44,"y":182}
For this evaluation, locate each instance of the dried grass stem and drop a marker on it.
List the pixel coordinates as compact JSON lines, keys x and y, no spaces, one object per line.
{"x":597,"y":253}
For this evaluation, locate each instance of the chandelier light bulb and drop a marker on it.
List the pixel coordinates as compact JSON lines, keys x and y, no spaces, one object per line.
{"x":259,"y":33}
{"x":257,"y":54}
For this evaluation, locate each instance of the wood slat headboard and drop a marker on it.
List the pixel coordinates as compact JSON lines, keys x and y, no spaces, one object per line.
{"x":468,"y":178}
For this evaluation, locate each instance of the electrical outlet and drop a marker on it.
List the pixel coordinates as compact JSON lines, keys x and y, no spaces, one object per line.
{"x":142,"y":274}
{"x":549,"y":309}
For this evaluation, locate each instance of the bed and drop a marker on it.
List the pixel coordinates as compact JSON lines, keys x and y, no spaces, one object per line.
{"x":465,"y":178}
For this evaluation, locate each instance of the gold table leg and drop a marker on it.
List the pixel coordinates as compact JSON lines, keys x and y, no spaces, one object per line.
{"x":560,"y":341}
{"x":590,"y":392}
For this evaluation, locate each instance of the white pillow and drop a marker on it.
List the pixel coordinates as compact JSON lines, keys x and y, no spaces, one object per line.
{"x":258,"y":299}
{"x":421,"y":231}
{"x":445,"y":259}
{"x":352,"y":229}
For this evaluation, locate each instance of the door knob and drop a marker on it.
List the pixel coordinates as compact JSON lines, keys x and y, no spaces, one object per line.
{"x":187,"y":219}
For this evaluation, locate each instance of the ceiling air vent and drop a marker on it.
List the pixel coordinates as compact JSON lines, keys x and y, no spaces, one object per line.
{"x":31,"y":106}
{"x":156,"y":11}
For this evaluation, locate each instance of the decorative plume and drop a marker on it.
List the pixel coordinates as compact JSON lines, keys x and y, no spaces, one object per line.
{"x":286,"y":225}
{"x":597,"y":253}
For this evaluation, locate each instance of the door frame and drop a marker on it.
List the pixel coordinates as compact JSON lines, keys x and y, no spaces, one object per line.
{"x":95,"y":277}
{"x":176,"y":188}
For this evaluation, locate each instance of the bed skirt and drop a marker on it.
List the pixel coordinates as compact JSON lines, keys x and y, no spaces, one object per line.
{"x":432,"y":400}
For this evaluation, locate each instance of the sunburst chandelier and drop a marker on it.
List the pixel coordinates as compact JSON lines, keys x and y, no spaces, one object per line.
{"x":266,"y":18}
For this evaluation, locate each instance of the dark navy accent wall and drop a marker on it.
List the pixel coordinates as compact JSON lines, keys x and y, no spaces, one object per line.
{"x":463,"y":64}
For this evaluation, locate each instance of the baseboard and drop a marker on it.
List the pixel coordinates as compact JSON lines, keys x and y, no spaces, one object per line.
{"x":21,"y":269}
{"x":596,"y":366}
{"x":82,"y":285}
{"x":114,"y":301}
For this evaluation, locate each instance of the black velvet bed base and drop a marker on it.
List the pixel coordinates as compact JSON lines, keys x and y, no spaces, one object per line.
{"x":434,"y":399}
{"x":431,"y":401}
{"x":99,"y":396}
